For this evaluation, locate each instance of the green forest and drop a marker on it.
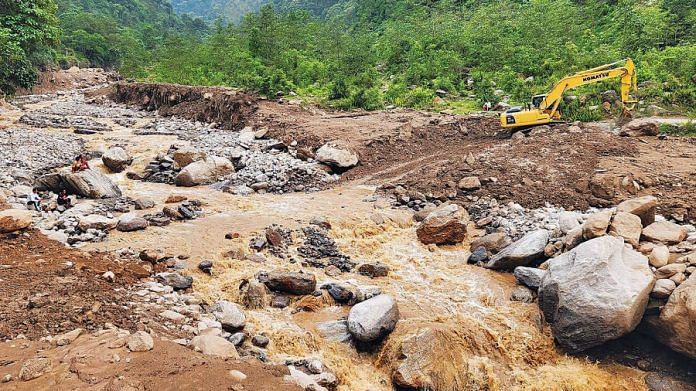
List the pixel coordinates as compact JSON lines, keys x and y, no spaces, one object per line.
{"x":364,"y":54}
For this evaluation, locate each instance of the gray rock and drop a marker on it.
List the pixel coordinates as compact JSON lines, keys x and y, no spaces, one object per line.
{"x":336,"y":155}
{"x":129,"y":223}
{"x":144,"y":203}
{"x":116,"y":159}
{"x":663,"y":288}
{"x":567,"y":221}
{"x":478,"y":255}
{"x":522,"y":252}
{"x":237,"y":338}
{"x":88,"y":183}
{"x":373,"y":319}
{"x":204,"y":171}
{"x":260,"y":340}
{"x":175,"y":280}
{"x":523,"y":294}
{"x":335,"y":330}
{"x":529,"y":276}
{"x":340,"y":293}
{"x":595,"y":293}
{"x":674,"y":326}
{"x":230,"y":315}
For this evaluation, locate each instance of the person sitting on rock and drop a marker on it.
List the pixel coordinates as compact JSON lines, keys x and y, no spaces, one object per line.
{"x":34,"y":200}
{"x":64,"y":200}
{"x":80,"y":164}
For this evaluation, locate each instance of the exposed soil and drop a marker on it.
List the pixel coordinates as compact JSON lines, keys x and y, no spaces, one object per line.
{"x":89,"y":364}
{"x":426,"y":153}
{"x":47,"y":289}
{"x":67,"y":79}
{"x":224,"y":106}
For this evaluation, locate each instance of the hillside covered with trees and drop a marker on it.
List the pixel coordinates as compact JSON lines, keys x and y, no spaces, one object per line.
{"x":374,"y":53}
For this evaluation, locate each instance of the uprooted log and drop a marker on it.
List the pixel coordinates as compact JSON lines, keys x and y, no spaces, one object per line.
{"x":226,"y":107}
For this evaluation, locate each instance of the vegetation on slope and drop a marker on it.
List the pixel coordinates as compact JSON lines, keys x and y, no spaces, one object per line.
{"x":28,"y":30}
{"x":374,"y":53}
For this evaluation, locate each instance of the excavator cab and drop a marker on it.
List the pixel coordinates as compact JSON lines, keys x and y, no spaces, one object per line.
{"x":537,"y":99}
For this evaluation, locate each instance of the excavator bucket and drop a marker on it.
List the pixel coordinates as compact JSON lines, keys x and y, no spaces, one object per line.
{"x":625,"y":116}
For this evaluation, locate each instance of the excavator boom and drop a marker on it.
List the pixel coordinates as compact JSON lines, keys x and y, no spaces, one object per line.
{"x":546,"y":111}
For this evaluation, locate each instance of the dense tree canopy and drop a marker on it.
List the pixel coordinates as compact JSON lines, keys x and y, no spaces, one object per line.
{"x":28,"y":29}
{"x":367,"y":53}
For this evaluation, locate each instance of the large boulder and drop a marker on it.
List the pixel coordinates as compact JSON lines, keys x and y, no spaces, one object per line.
{"x":595,"y":293}
{"x":204,"y":171}
{"x":627,"y":226}
{"x":522,"y":252}
{"x":291,"y":282}
{"x":336,"y":155}
{"x":664,"y":232}
{"x":87,"y":183}
{"x":187,"y":155}
{"x":675,"y":326}
{"x":643,"y":207}
{"x":493,"y":242}
{"x":641,"y":127}
{"x":116,"y":159}
{"x":529,"y":276}
{"x":373,"y":319}
{"x":444,"y":225}
{"x":214,"y":345}
{"x":12,"y":220}
{"x":91,"y":184}
{"x":230,"y":315}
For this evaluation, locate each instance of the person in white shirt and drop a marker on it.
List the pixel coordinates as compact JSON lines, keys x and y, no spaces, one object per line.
{"x":34,"y":200}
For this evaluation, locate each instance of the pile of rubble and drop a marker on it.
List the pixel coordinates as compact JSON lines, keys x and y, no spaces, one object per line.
{"x":26,"y":153}
{"x":81,"y":125}
{"x":236,"y":162}
{"x":314,"y":247}
{"x":172,"y":126}
{"x":78,"y":106}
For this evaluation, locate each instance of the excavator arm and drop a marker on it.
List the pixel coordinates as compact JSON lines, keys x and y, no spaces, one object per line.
{"x":547,"y":110}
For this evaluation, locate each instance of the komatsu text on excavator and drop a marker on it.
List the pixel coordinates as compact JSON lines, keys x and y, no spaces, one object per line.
{"x":544,"y":108}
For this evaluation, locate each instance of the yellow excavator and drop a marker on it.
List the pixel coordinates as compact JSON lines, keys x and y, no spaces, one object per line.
{"x":544,"y":108}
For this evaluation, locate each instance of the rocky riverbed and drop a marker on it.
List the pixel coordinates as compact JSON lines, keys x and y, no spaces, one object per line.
{"x":254,"y":256}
